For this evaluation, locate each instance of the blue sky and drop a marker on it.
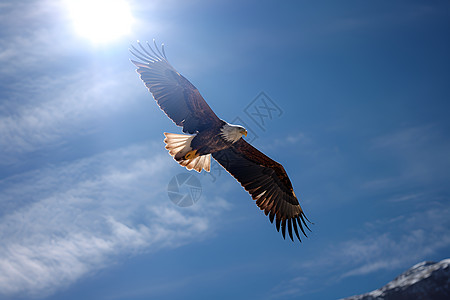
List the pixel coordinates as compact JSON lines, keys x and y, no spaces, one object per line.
{"x":363,"y":134}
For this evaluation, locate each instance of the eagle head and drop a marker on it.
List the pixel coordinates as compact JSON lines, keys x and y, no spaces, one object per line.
{"x":232,"y":133}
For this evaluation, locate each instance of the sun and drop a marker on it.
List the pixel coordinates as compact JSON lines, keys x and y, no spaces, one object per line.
{"x":100,"y":21}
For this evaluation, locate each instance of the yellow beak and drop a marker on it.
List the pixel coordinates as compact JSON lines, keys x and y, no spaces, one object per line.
{"x":244,"y":133}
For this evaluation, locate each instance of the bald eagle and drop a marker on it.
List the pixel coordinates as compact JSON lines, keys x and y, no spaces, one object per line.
{"x":264,"y":179}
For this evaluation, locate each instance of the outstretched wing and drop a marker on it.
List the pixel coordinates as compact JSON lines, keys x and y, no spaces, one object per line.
{"x":268,"y":184}
{"x":175,"y":95}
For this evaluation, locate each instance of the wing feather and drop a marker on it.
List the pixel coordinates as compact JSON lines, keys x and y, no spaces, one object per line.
{"x":290,"y":229}
{"x":271,"y":216}
{"x":294,"y":220}
{"x":301,"y":226}
{"x":278,"y":221}
{"x":267,"y":182}
{"x":175,"y":95}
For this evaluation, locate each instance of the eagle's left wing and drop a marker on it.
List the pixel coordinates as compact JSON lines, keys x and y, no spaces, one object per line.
{"x":175,"y":95}
{"x":268,"y":184}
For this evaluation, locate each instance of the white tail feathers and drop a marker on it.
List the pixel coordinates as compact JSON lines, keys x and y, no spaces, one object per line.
{"x":179,"y":145}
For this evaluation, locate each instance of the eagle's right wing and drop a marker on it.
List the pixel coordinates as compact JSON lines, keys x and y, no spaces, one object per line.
{"x":267,"y":183}
{"x":175,"y":95}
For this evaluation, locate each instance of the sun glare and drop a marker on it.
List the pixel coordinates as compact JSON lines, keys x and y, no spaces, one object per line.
{"x":100,"y":21}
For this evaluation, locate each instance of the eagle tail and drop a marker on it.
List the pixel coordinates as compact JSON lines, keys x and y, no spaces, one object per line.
{"x":179,"y":145}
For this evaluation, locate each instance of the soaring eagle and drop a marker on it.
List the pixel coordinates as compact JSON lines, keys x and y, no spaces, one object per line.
{"x":265,"y":179}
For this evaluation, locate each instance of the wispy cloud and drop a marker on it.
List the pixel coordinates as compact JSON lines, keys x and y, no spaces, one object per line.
{"x":64,"y":221}
{"x":296,"y":286}
{"x":51,"y":90}
{"x":390,"y":251}
{"x":73,"y":219}
{"x":403,"y":138}
{"x":61,"y":107}
{"x":396,"y":14}
{"x":375,"y":247}
{"x":416,"y":154}
{"x":417,"y":235}
{"x":30,"y":34}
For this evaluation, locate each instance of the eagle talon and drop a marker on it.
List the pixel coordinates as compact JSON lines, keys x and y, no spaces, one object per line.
{"x":191,"y":154}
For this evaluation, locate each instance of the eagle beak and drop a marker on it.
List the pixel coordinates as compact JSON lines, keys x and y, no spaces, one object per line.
{"x":245,"y":132}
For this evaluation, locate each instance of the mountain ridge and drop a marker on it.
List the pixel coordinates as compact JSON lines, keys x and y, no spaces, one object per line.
{"x":426,"y":280}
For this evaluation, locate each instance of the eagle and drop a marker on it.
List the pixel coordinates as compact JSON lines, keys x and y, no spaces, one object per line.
{"x":207,"y":135}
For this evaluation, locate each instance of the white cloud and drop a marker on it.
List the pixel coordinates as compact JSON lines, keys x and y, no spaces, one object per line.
{"x":61,"y":107}
{"x":52,"y":88}
{"x":296,"y":286}
{"x":417,"y":155}
{"x":382,"y":245}
{"x":63,"y":222}
{"x":416,"y":236}
{"x":396,"y":14}
{"x":388,"y":252}
{"x":30,"y":34}
{"x":73,"y":219}
{"x":404,"y":138}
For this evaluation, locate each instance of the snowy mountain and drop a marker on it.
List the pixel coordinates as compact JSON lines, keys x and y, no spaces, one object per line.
{"x":424,"y":281}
